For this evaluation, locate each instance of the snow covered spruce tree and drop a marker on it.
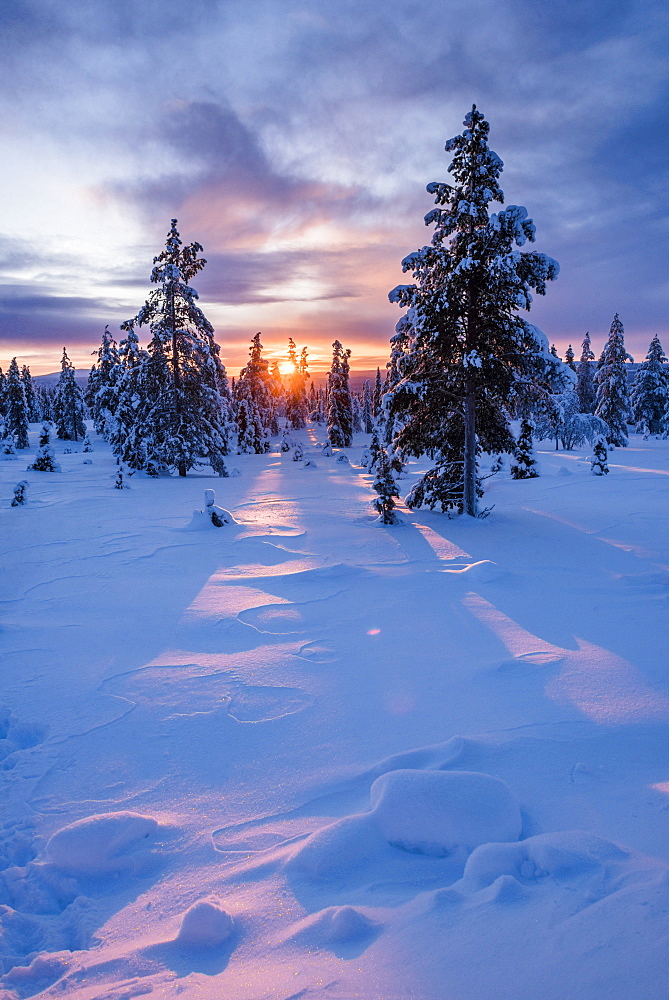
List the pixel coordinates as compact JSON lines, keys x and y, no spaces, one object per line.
{"x":585,"y":385}
{"x":16,"y":407}
{"x":254,"y":398}
{"x":386,"y":487}
{"x":185,"y":421}
{"x":69,"y":409}
{"x":45,"y":460}
{"x":613,"y":403}
{"x":367,"y":411}
{"x":569,"y":358}
{"x":650,"y":392}
{"x":297,"y":402}
{"x":462,"y":347}
{"x":340,"y":407}
{"x":31,"y":397}
{"x":102,"y":391}
{"x":524,"y":466}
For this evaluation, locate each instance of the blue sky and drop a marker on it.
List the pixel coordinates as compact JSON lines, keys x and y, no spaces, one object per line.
{"x":294,"y":141}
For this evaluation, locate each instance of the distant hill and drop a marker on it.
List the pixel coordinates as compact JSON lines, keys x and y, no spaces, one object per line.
{"x":80,"y":376}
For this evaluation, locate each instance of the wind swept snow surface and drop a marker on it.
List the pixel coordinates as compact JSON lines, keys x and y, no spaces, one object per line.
{"x":308,"y":755}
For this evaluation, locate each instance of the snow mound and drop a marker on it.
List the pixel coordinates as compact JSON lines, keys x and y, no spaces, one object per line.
{"x":484,"y":571}
{"x":441,"y":812}
{"x":561,"y":856}
{"x":101,"y":844}
{"x":336,"y":924}
{"x":206,"y":924}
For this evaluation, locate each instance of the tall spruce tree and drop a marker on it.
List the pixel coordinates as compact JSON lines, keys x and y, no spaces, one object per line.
{"x":650,"y":392}
{"x":297,"y":406}
{"x":340,"y":406}
{"x":462,"y":345}
{"x":69,"y":409}
{"x":16,"y":407}
{"x":102,"y":390}
{"x":613,"y":403}
{"x":367,"y":410}
{"x":3,"y":386}
{"x":569,"y":358}
{"x":255,"y":387}
{"x":585,"y":384}
{"x":188,"y":421}
{"x":31,"y":398}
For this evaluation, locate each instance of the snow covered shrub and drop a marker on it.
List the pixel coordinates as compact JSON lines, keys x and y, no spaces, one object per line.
{"x":327,"y":449}
{"x":298,"y":453}
{"x":310,"y":464}
{"x":211,"y":516}
{"x":600,"y":466}
{"x":20,"y":497}
{"x":45,"y":459}
{"x":343,"y":458}
{"x":524,"y":466}
{"x":87,"y":444}
{"x":119,"y":484}
{"x":217,"y":515}
{"x":286,"y":443}
{"x":582,"y":427}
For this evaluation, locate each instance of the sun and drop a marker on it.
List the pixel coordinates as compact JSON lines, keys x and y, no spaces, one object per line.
{"x":287,"y":367}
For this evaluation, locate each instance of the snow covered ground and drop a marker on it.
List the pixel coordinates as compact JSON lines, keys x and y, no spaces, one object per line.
{"x":306,"y":755}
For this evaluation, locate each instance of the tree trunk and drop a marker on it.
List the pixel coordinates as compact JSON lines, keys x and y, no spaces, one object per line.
{"x":469,"y":500}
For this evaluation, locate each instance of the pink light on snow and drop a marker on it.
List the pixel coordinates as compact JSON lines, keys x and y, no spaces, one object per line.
{"x":596,"y":681}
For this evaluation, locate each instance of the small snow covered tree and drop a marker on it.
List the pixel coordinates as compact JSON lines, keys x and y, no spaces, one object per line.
{"x":16,"y":408}
{"x":585,"y":385}
{"x":524,"y":466}
{"x":45,"y":460}
{"x":582,"y":427}
{"x":3,"y":385}
{"x":461,"y":347}
{"x":340,"y":407}
{"x":650,"y":392}
{"x":386,"y":487}
{"x":190,"y":418}
{"x":69,"y":409}
{"x":613,"y":405}
{"x":599,"y":465}
{"x":20,"y":498}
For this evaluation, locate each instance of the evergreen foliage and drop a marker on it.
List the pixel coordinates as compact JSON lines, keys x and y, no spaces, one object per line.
{"x":524,"y":466}
{"x":569,"y":358}
{"x":367,"y":408}
{"x":20,"y":498}
{"x":377,"y":396}
{"x":16,"y":407}
{"x":3,"y":386}
{"x":255,"y":389}
{"x":585,"y":385}
{"x":102,"y":390}
{"x":600,"y":465}
{"x":461,"y":349}
{"x":650,"y":392}
{"x":69,"y":409}
{"x":31,"y":398}
{"x":297,"y":402}
{"x":340,"y":407}
{"x":45,"y":459}
{"x":183,"y":415}
{"x":613,"y":405}
{"x":386,"y":487}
